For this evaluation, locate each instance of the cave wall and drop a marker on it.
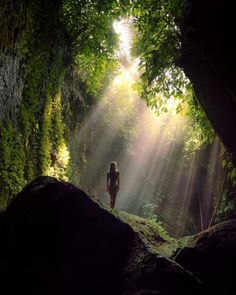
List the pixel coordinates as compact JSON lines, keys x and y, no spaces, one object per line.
{"x":11,"y":86}
{"x":41,"y":97}
{"x":208,"y":59}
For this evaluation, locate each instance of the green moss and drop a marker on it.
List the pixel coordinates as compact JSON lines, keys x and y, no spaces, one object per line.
{"x":30,"y":110}
{"x":152,"y":233}
{"x":45,"y":142}
{"x":60,"y":151}
{"x":34,"y":32}
{"x":12,"y":163}
{"x":28,"y":150}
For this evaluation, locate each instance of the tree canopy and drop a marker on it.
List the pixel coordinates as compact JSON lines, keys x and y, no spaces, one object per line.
{"x":157,"y":44}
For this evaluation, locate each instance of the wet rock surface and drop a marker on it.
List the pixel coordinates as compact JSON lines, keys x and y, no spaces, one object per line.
{"x":56,"y":240}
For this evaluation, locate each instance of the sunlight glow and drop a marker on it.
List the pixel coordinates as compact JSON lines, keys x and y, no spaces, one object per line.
{"x":59,"y":168}
{"x":149,"y":150}
{"x":125,"y":36}
{"x":172,"y":103}
{"x":123,"y":77}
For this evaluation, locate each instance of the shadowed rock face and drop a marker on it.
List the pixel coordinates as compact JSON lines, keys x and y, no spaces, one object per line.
{"x":208,"y":59}
{"x":211,"y":256}
{"x":11,"y":86}
{"x":56,"y":240}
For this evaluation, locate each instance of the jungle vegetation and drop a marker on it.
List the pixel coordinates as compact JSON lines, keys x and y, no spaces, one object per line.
{"x":63,"y":39}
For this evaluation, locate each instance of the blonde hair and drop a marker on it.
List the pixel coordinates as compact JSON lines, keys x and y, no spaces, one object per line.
{"x":114,"y":164}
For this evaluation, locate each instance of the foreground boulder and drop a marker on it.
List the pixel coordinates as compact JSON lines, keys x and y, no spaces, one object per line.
{"x":211,"y":256}
{"x":56,"y":240}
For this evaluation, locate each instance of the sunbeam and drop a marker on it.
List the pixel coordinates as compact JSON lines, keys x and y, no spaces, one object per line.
{"x":149,"y":150}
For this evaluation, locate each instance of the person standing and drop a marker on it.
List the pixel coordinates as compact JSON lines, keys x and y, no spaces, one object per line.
{"x":113,"y":182}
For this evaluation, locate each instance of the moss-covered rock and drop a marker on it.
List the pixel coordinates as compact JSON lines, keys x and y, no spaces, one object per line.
{"x":211,"y":256}
{"x":56,"y":240}
{"x":151,"y":233}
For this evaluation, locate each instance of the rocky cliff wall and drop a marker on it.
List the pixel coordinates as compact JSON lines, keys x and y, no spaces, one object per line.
{"x":41,"y":97}
{"x":208,"y":59}
{"x":11,"y":86}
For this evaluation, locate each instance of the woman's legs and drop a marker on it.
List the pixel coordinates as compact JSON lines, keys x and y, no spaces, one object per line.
{"x":113,"y":199}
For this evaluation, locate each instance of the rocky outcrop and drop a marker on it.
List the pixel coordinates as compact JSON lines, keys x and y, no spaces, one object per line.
{"x":211,"y":256}
{"x":208,"y":59}
{"x":11,"y":86}
{"x":56,"y":240}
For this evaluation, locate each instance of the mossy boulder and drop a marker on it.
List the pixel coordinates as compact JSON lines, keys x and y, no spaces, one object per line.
{"x":211,"y":256}
{"x":57,"y":240}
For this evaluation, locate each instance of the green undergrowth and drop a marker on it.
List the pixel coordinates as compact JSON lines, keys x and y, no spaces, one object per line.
{"x":50,"y":40}
{"x":12,"y":159}
{"x":151,"y":232}
{"x":35,"y":143}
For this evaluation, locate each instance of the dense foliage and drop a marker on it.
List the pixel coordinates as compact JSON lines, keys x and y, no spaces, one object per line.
{"x":56,"y":38}
{"x":27,"y":142}
{"x":47,"y":38}
{"x":199,"y":133}
{"x":158,"y":46}
{"x":226,"y":205}
{"x":90,"y":26}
